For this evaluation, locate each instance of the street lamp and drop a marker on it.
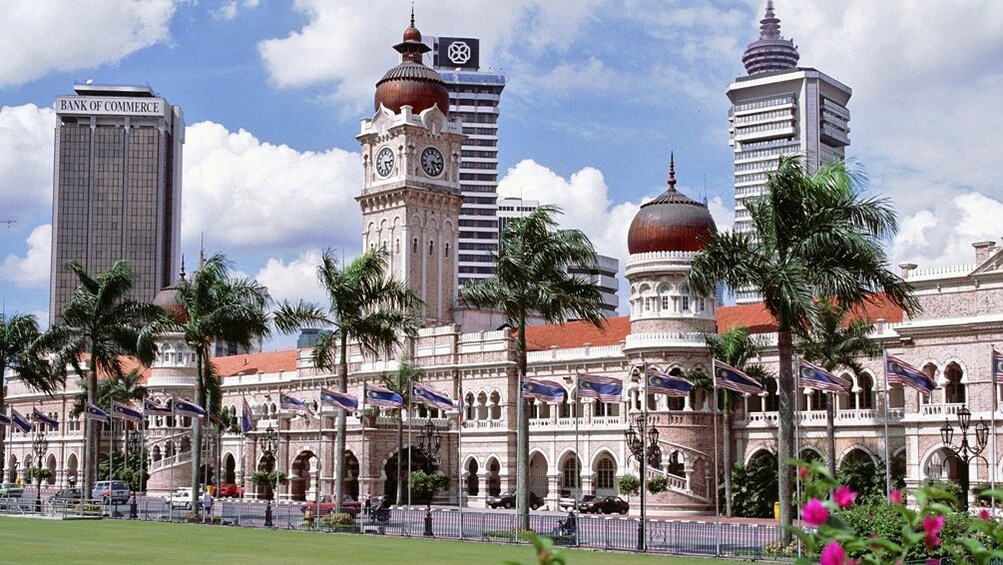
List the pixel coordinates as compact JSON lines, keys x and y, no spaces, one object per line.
{"x":269,"y":445}
{"x":643,"y":446}
{"x":429,"y":442}
{"x":966,"y":452}
{"x":39,"y":445}
{"x":134,"y":447}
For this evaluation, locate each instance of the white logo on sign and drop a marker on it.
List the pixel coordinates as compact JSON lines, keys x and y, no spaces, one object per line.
{"x":458,"y":52}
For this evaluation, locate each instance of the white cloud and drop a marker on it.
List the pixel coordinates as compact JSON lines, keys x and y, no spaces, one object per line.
{"x":229,"y":9}
{"x":246,"y":193}
{"x":31,"y":270}
{"x":48,"y":35}
{"x":724,"y":217}
{"x":944,"y":236}
{"x":26,"y":146}
{"x":295,"y":279}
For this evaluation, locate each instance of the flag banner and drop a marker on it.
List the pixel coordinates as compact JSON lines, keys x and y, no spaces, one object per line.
{"x":287,"y":402}
{"x":19,"y":421}
{"x":811,"y":375}
{"x":669,"y":385}
{"x":92,"y":412}
{"x":186,"y":408}
{"x":997,"y":367}
{"x":726,"y":376}
{"x":4,"y":420}
{"x":343,"y":400}
{"x":52,"y":423}
{"x":126,"y":412}
{"x":246,"y":418}
{"x":607,"y":389}
{"x":898,"y":371}
{"x":461,"y":417}
{"x":544,"y":391}
{"x":431,"y":397}
{"x":153,"y":408}
{"x":379,"y":396}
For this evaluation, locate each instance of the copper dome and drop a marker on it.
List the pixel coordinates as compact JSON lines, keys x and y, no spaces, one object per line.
{"x":670,"y":222}
{"x":168,"y":300}
{"x":411,"y":83}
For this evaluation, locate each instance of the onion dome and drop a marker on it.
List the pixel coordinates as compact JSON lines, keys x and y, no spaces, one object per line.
{"x":770,"y":52}
{"x":411,"y":83}
{"x":670,"y":222}
{"x":168,"y":300}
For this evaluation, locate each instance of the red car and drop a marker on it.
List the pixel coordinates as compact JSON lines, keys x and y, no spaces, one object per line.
{"x":348,"y":505}
{"x":230,"y":490}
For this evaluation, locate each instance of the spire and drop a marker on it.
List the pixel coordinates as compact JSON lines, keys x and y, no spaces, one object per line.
{"x":771,"y":52}
{"x":672,"y":171}
{"x":412,"y":11}
{"x":202,"y":250}
{"x":182,"y":274}
{"x":769,"y":26}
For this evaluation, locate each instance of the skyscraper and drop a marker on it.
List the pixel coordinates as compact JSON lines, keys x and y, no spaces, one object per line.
{"x":474,"y":95}
{"x":116,"y":187}
{"x":781,"y":109}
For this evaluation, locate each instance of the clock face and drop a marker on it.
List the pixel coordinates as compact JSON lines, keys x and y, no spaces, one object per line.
{"x":384,"y":161}
{"x":431,"y":161}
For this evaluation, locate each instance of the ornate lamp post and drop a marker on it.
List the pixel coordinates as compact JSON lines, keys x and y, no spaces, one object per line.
{"x":269,"y":445}
{"x":134,"y":448}
{"x":429,"y":442}
{"x":966,"y":452}
{"x":643,"y":446}
{"x":39,"y":445}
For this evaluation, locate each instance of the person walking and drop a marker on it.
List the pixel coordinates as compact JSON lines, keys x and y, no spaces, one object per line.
{"x":206,"y":506}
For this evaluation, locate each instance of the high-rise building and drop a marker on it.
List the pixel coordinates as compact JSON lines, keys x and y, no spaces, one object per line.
{"x":607,"y":268}
{"x":781,"y":109}
{"x":474,"y":95}
{"x":116,"y":187}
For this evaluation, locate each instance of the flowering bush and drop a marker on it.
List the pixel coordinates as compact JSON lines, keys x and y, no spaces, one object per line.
{"x":839,"y":533}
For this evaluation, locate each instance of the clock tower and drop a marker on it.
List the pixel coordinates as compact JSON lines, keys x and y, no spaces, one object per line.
{"x":411,"y":190}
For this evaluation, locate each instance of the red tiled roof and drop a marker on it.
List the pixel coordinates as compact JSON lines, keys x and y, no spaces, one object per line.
{"x":758,"y":319}
{"x":267,"y":362}
{"x":577,"y":334}
{"x":128,"y":364}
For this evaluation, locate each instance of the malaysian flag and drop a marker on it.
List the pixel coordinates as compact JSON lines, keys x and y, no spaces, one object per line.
{"x":669,"y":385}
{"x":246,"y":418}
{"x":544,"y":391}
{"x":153,"y":408}
{"x":898,"y":371}
{"x":461,"y":417}
{"x":726,"y":376}
{"x":19,"y":421}
{"x":287,"y":402}
{"x":607,"y":389}
{"x":997,"y":367}
{"x":379,"y":396}
{"x":431,"y":397}
{"x":91,"y":411}
{"x":48,"y":421}
{"x":4,"y":420}
{"x":186,"y":408}
{"x":811,"y":375}
{"x":343,"y":400}
{"x":126,"y":412}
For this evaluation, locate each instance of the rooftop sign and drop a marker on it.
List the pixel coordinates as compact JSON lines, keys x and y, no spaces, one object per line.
{"x":111,"y":106}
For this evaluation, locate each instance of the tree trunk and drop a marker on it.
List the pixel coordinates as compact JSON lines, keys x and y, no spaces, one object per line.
{"x":90,"y":448}
{"x":3,"y":431}
{"x":727,"y":453}
{"x":200,"y":375}
{"x":400,"y":456}
{"x":785,"y":435}
{"x":830,"y":432}
{"x":339,"y":450}
{"x":522,"y":432}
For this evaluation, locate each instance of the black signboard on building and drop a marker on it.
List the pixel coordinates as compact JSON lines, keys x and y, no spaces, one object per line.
{"x":458,"y":53}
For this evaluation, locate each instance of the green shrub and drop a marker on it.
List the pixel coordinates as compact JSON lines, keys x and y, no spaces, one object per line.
{"x":629,"y":485}
{"x":339,"y":519}
{"x":754,"y":488}
{"x":778,"y":549}
{"x":657,"y":484}
{"x":424,"y":486}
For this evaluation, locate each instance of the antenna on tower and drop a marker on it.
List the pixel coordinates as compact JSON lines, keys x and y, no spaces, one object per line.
{"x":705,"y":189}
{"x":201,"y":249}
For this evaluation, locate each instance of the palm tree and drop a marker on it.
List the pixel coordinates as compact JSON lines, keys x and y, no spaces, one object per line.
{"x":815,"y":237}
{"x":19,"y":352}
{"x":214,"y":305}
{"x":125,"y":388}
{"x":832,"y":343}
{"x":532,"y":280}
{"x":400,"y":382}
{"x":365,"y":305}
{"x":100,"y":324}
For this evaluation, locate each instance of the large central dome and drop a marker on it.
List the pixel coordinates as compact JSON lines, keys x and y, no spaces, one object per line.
{"x":411,"y":83}
{"x":670,"y":222}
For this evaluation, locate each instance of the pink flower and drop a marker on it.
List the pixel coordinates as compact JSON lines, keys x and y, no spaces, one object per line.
{"x":844,"y":497}
{"x":814,"y":513}
{"x":984,"y":514}
{"x":803,"y":473}
{"x":833,"y":554}
{"x":896,"y":496}
{"x":932,"y":526}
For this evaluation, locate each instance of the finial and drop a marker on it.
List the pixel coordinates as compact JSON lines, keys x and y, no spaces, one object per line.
{"x":672,"y":170}
{"x":182,"y":274}
{"x":412,"y":13}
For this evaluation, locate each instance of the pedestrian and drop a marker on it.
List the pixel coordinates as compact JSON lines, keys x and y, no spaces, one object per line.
{"x":206,"y":506}
{"x":369,"y":504}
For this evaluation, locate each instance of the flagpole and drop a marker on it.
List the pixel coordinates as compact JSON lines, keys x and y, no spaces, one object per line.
{"x":888,"y":454}
{"x":992,"y":419}
{"x":174,"y":421}
{"x":410,"y":420}
{"x":717,"y":473}
{"x":320,"y":452}
{"x":459,"y":457}
{"x":577,"y":453}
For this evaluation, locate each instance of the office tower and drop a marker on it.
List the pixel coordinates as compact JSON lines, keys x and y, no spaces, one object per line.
{"x":474,"y":95}
{"x":116,"y":187}
{"x":781,"y":109}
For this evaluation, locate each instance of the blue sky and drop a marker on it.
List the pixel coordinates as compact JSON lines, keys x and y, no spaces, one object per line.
{"x":599,"y":93}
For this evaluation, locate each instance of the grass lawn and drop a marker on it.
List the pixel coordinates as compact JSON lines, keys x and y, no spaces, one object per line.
{"x":26,"y":541}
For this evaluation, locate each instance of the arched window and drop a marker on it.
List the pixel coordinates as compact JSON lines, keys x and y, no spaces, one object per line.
{"x":482,"y":408}
{"x":676,"y":465}
{"x":572,"y":475}
{"x":446,"y":250}
{"x":954,"y":391}
{"x":468,"y":407}
{"x":819,"y":398}
{"x":772,"y":401}
{"x":495,"y":409}
{"x":431,"y":247}
{"x":414,"y":245}
{"x":605,"y":473}
{"x":865,"y":396}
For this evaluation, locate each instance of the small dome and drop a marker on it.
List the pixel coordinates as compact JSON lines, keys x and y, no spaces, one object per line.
{"x":671,"y":222}
{"x":411,"y":83}
{"x":169,"y":301}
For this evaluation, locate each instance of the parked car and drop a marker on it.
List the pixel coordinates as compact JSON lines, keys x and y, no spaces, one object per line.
{"x":507,"y":500}
{"x":182,"y":498}
{"x":10,"y":490}
{"x":568,"y":503}
{"x":116,"y":492}
{"x":348,"y":505}
{"x":230,"y":490}
{"x":66,"y":497}
{"x":605,"y":505}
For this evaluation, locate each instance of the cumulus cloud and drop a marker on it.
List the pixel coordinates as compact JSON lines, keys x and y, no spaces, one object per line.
{"x":229,"y":10}
{"x":26,"y":146}
{"x":45,"y":35}
{"x":246,"y":193}
{"x":31,"y":270}
{"x":293,"y":280}
{"x":944,"y":236}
